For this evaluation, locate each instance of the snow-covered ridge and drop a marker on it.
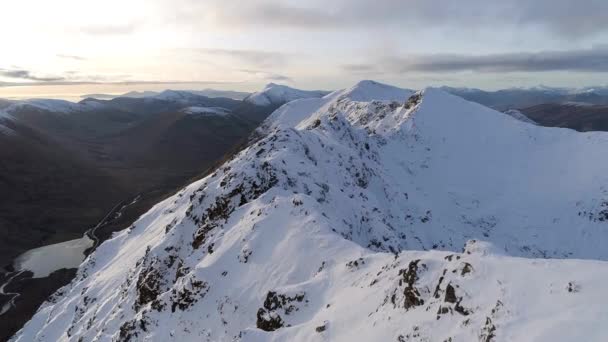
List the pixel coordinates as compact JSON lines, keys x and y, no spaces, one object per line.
{"x":363,"y":215}
{"x":275,"y":94}
{"x":237,"y":95}
{"x":51,"y":106}
{"x":174,"y":95}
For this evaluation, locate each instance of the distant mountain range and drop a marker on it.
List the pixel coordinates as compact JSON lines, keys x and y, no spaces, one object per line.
{"x":526,"y":97}
{"x":236,"y":95}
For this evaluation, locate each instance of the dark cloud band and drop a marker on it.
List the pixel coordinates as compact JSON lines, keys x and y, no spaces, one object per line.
{"x":588,"y":60}
{"x":27,"y":75}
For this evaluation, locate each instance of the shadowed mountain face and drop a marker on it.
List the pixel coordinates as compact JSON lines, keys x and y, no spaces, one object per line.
{"x":46,"y":191}
{"x":582,"y":118}
{"x":65,"y":165}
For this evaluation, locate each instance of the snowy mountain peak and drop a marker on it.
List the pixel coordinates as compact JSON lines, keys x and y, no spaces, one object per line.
{"x":50,"y":105}
{"x":371,"y":90}
{"x":374,"y":214}
{"x":276,"y":94}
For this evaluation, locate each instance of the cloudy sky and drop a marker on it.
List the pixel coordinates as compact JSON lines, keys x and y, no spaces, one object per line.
{"x":76,"y":46}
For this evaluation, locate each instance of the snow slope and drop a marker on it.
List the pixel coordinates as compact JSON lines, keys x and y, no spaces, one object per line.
{"x":517,"y":114}
{"x":324,"y":230}
{"x":276,"y":94}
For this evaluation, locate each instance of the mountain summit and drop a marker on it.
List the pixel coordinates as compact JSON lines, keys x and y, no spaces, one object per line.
{"x":276,"y":94}
{"x":373,"y":214}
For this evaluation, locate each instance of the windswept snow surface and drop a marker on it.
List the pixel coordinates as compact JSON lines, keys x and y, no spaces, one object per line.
{"x":324,"y":230}
{"x":276,"y":94}
{"x":53,"y":106}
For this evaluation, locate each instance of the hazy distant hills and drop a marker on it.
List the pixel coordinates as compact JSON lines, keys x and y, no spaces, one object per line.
{"x":527,"y":97}
{"x":236,"y":95}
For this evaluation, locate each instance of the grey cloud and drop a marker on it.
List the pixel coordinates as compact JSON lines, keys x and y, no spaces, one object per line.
{"x":360,"y":68}
{"x":268,"y":76}
{"x":74,"y":57}
{"x":561,"y":17}
{"x":256,"y":58}
{"x":27,"y":75}
{"x":117,"y":29}
{"x":279,"y":78}
{"x":134,"y":82}
{"x":588,"y":60}
{"x":27,"y":78}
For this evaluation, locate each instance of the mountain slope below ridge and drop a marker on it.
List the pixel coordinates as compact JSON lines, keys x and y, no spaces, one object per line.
{"x":321,"y":229}
{"x":580,"y":117}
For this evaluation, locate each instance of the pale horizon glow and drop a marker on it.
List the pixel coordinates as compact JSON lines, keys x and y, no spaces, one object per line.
{"x":68,"y":48}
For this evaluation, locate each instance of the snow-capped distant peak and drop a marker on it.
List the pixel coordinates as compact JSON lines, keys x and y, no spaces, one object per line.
{"x":206,"y":111}
{"x":50,"y":105}
{"x":360,"y":101}
{"x":276,"y":94}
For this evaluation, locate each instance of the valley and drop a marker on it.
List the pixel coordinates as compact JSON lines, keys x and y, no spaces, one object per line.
{"x":99,"y":164}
